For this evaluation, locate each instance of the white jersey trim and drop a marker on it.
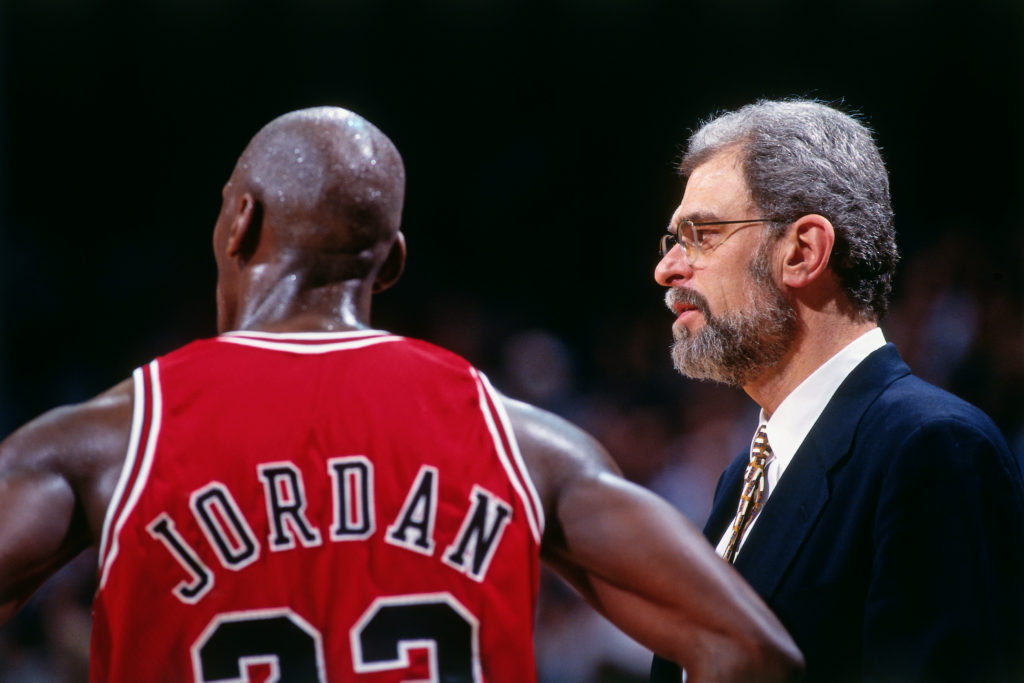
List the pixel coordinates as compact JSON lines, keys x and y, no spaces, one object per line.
{"x":515,"y":466}
{"x":128,"y":465}
{"x":306,"y":336}
{"x":133,"y":488}
{"x":310,"y":342}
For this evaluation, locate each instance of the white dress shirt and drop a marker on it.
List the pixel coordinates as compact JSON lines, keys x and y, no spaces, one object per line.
{"x":799,"y":411}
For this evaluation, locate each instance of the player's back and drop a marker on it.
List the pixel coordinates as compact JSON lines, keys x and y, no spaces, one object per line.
{"x":344,"y":506}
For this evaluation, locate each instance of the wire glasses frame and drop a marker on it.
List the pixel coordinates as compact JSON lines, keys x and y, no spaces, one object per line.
{"x":694,"y":245}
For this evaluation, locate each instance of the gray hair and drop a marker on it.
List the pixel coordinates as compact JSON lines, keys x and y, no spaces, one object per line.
{"x":801,"y":157}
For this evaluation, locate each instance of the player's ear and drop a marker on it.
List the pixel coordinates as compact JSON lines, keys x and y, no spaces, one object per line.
{"x":391,"y":269}
{"x":244,"y":234}
{"x":807,"y":247}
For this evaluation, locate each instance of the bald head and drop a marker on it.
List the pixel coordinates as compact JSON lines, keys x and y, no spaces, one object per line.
{"x":325,"y":179}
{"x":312,"y":209}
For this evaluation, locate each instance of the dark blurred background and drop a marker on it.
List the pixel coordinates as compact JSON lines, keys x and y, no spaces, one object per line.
{"x":539,"y":139}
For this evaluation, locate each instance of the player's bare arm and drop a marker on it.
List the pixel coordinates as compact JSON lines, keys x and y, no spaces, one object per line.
{"x":56,"y":477}
{"x":662,"y":583}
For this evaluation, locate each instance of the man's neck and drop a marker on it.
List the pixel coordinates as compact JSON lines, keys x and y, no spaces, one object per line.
{"x":813,"y":346}
{"x":287,"y":306}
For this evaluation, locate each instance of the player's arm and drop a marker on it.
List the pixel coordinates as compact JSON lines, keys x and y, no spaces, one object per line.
{"x":639,"y":562}
{"x":56,"y":474}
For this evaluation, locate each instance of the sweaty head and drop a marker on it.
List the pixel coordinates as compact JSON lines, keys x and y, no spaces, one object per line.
{"x":329,"y":186}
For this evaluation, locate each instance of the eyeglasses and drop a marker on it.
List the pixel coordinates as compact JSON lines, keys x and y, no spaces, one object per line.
{"x":696,"y":242}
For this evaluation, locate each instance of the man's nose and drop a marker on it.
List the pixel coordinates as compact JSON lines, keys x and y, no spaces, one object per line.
{"x":672,"y":267}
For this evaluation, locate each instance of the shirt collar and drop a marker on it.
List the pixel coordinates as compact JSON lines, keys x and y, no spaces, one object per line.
{"x":801,"y":408}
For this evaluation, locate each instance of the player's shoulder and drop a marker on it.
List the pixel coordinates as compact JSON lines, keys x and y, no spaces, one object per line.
{"x":190,"y":352}
{"x":428,"y":352}
{"x":74,"y":439}
{"x":413,"y":362}
{"x":555,"y":450}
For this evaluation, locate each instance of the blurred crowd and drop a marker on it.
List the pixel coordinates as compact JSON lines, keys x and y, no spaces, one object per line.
{"x":956,"y":317}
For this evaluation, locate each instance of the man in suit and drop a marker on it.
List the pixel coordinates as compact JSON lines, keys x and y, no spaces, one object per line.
{"x":880,"y":517}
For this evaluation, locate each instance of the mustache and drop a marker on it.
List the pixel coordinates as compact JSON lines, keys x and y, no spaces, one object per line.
{"x":681,"y":295}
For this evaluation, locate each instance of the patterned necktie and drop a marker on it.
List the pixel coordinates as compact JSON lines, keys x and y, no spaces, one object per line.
{"x":753,"y":495}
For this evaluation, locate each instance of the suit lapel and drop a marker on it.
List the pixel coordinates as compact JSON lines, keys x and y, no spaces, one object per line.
{"x":727,"y":496}
{"x":786,"y":520}
{"x":805,"y":488}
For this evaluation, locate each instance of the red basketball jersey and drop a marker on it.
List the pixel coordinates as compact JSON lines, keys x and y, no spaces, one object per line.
{"x":317,"y":507}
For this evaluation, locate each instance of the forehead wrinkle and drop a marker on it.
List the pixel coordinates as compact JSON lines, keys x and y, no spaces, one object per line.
{"x":716,"y":182}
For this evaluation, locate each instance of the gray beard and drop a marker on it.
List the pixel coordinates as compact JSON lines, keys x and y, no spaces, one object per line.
{"x":736,"y":347}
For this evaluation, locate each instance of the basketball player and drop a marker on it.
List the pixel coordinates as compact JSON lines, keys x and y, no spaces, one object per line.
{"x":307,"y":498}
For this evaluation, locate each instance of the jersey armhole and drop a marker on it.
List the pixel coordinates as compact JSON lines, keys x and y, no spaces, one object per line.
{"x":146,"y":412}
{"x":511,"y":458}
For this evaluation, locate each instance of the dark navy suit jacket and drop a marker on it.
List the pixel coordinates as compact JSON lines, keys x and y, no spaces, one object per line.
{"x":892,"y":548}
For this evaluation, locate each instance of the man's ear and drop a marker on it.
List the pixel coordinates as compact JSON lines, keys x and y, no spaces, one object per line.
{"x":807,"y":248}
{"x":393,"y":265}
{"x":244,"y":234}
